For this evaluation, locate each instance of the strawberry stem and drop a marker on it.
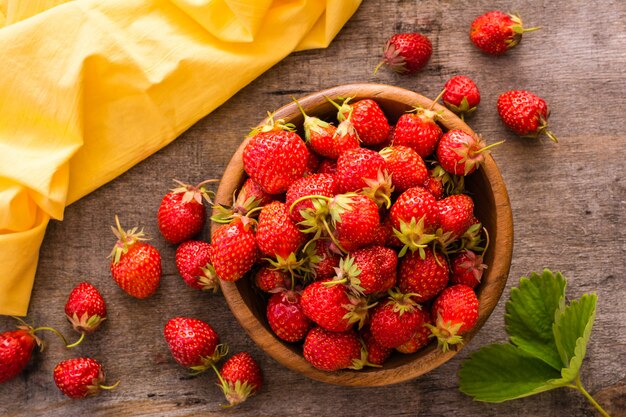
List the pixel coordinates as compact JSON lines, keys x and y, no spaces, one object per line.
{"x":299,"y":107}
{"x":551,"y":136}
{"x":307,"y":197}
{"x":579,"y":387}
{"x":436,"y":99}
{"x":380,"y":64}
{"x":332,"y":236}
{"x":109,"y":387}
{"x":488,"y":147}
{"x":55,"y":331}
{"x":486,"y":241}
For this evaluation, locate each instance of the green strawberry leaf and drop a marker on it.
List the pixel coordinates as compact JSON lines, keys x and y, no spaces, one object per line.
{"x":530,"y":313}
{"x":501,"y":372}
{"x":572,"y":329}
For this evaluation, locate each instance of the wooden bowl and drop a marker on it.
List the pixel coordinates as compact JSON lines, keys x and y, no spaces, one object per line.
{"x":492,"y":207}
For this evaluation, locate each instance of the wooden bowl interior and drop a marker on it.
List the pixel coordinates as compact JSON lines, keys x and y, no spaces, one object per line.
{"x":491,"y":207}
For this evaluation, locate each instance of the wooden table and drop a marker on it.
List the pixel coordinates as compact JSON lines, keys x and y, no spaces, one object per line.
{"x":569,"y":206}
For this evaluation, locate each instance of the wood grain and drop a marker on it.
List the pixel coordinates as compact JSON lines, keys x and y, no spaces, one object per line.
{"x":568,"y":201}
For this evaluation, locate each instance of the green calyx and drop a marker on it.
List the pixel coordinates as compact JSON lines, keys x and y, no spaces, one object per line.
{"x":452,"y":184}
{"x":518,"y":29}
{"x":195,"y":193}
{"x":207,"y":362}
{"x":358,"y":310}
{"x":413,"y":236}
{"x":272,"y":125}
{"x":209,"y":281}
{"x":363,"y":361}
{"x":446,"y":333}
{"x":85,"y":323}
{"x":403,"y":303}
{"x":125,"y":239}
{"x":348,"y":272}
{"x":463,"y":109}
{"x":379,"y":189}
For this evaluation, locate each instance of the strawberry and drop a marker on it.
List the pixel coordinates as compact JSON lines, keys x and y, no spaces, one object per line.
{"x":250,"y":196}
{"x":406,"y":53}
{"x":85,"y":308}
{"x":467,"y":269}
{"x":425,"y":277}
{"x":319,"y":134}
{"x":420,"y":338}
{"x":363,"y":169}
{"x":456,"y":214}
{"x":182,"y":214}
{"x":454,"y":313}
{"x":332,"y":351}
{"x":405,"y":166}
{"x":193,"y":343}
{"x":233,"y":249}
{"x":374,"y":269}
{"x":286,"y":317}
{"x":418,"y":130}
{"x":329,"y":304}
{"x":275,"y":156}
{"x":16,"y":349}
{"x":277,"y":235}
{"x":525,"y":113}
{"x":193,"y":261}
{"x":368,"y":119}
{"x":440,"y":182}
{"x":394,"y":321}
{"x":136,"y":266}
{"x":355,"y":218}
{"x":434,"y":185}
{"x":322,"y":259}
{"x":376,"y":353}
{"x":327,"y":166}
{"x":461,"y":95}
{"x":312,"y":163}
{"x":80,"y":377}
{"x":240,"y":378}
{"x":460,"y":153}
{"x":414,"y":217}
{"x":316,"y":184}
{"x":268,"y":279}
{"x":496,"y":32}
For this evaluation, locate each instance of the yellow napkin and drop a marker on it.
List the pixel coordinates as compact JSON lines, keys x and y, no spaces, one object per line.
{"x":91,"y":87}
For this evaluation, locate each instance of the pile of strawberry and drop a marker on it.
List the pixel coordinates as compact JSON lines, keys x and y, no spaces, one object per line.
{"x":361,"y":246}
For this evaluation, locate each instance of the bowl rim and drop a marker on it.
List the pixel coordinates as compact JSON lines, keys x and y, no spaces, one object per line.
{"x":432,"y":357}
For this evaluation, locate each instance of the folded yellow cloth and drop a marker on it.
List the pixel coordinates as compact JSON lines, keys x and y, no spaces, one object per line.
{"x":89,"y":88}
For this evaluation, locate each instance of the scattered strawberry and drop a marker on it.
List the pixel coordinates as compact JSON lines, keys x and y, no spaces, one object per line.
{"x":425,"y":278}
{"x":419,"y":131}
{"x":460,"y":153}
{"x":332,"y":351}
{"x":286,"y":317}
{"x":85,"y":308}
{"x":269,"y":279}
{"x":467,"y":269}
{"x":455,"y":312}
{"x":233,"y":249}
{"x":406,"y":53}
{"x":405,"y":166}
{"x":525,"y":113}
{"x":193,"y":261}
{"x":136,"y":265}
{"x":461,"y":95}
{"x":277,"y":235}
{"x":456,"y":214}
{"x":16,"y":349}
{"x":80,"y":377}
{"x":396,"y":320}
{"x":420,"y":338}
{"x":181,"y":214}
{"x":495,"y":32}
{"x":260,"y":156}
{"x":240,"y":378}
{"x":193,"y":343}
{"x":368,"y":119}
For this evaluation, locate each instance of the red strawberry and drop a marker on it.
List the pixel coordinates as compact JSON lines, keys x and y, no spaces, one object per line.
{"x":318,"y":134}
{"x":193,"y":343}
{"x":85,"y":308}
{"x":250,"y":196}
{"x":277,"y":235}
{"x":368,"y":119}
{"x":441,"y":182}
{"x":80,"y":377}
{"x":460,"y":153}
{"x":406,"y":167}
{"x":407,"y":53}
{"x":327,"y":166}
{"x":419,"y":131}
{"x":268,"y":279}
{"x":275,"y":157}
{"x":136,"y":266}
{"x":394,"y":321}
{"x":425,"y":277}
{"x":376,"y":353}
{"x":316,"y":184}
{"x":495,"y":32}
{"x":467,"y":269}
{"x":193,"y":261}
{"x":363,"y":169}
{"x":455,"y":312}
{"x":434,"y":185}
{"x":374,"y":268}
{"x":414,"y":217}
{"x":322,"y":259}
{"x":16,"y":349}
{"x":355,"y":218}
{"x":420,"y":338}
{"x":456,"y":214}
{"x":329,"y":304}
{"x":286,"y":317}
{"x":240,"y":378}
{"x":233,"y":249}
{"x":525,"y":113}
{"x":182,"y":214}
{"x":332,"y":351}
{"x":312,"y":163}
{"x":461,"y":95}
